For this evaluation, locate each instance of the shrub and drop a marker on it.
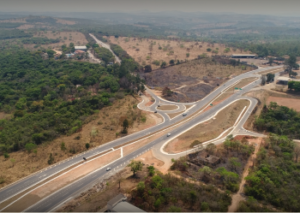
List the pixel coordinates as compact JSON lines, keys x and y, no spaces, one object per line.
{"x":51,"y":159}
{"x":6,"y":155}
{"x":87,"y":145}
{"x":30,"y":146}
{"x":63,"y":146}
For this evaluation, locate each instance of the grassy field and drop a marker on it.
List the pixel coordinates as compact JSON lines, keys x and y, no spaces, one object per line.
{"x":65,"y":38}
{"x":146,"y":51}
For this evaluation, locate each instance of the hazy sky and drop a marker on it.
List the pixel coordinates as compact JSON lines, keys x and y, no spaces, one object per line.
{"x":268,"y":7}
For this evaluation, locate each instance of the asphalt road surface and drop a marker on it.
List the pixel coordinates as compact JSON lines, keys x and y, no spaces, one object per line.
{"x":58,"y":197}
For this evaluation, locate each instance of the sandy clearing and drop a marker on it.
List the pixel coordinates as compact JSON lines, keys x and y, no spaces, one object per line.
{"x":167,"y":107}
{"x":288,"y":102}
{"x":149,"y":160}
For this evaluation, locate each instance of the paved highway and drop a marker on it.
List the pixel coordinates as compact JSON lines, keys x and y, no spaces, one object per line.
{"x":60,"y":196}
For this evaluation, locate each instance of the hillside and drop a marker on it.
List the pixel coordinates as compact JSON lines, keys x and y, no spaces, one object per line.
{"x":148,"y":51}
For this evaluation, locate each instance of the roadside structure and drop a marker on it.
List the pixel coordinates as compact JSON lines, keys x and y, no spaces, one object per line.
{"x":243,"y":56}
{"x":203,"y":158}
{"x":83,"y":48}
{"x":119,"y":204}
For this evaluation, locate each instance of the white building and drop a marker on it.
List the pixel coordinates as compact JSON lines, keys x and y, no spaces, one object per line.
{"x":80,"y":48}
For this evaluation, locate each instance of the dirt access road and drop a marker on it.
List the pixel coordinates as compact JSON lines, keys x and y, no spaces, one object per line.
{"x":107,"y":46}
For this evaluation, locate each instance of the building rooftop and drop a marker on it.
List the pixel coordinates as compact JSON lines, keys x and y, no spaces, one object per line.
{"x":116,"y":199}
{"x":80,"y":47}
{"x":243,"y":55}
{"x":282,"y":78}
{"x":119,"y":204}
{"x":126,"y":207}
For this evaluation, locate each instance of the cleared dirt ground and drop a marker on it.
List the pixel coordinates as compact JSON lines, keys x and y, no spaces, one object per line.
{"x":193,"y":80}
{"x":141,"y":51}
{"x":101,"y":129}
{"x":208,"y":130}
{"x":65,"y":38}
{"x":288,"y":102}
{"x":167,"y":107}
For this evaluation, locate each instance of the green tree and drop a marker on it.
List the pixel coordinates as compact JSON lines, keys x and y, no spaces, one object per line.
{"x":163,"y":64}
{"x":125,"y":125}
{"x":187,"y":55}
{"x":51,"y":159}
{"x":135,"y":166}
{"x":270,"y":77}
{"x":234,"y":163}
{"x":6,"y":155}
{"x":12,"y":160}
{"x":271,"y":61}
{"x":172,"y":62}
{"x":63,"y":146}
{"x":87,"y":145}
{"x":29,"y":147}
{"x":291,"y":63}
{"x":151,"y":170}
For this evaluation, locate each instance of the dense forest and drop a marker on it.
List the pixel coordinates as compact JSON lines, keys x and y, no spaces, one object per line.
{"x":280,"y":120}
{"x":275,"y":178}
{"x":10,"y":34}
{"x":48,"y":98}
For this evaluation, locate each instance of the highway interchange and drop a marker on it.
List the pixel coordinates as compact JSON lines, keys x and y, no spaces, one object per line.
{"x":181,"y":124}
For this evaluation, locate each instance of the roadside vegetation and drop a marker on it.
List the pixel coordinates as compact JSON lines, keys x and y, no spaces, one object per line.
{"x":280,"y":120}
{"x":275,"y":177}
{"x":50,"y":98}
{"x":226,"y":173}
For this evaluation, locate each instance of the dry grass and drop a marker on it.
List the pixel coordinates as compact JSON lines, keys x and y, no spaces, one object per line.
{"x":66,"y":38}
{"x":101,"y":129}
{"x":262,"y":97}
{"x":25,"y":27}
{"x":208,"y":130}
{"x":288,"y":102}
{"x":167,"y":107}
{"x":170,"y":49}
{"x":62,"y":21}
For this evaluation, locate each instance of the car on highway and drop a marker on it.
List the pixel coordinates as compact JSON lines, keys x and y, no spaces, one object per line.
{"x":158,"y":105}
{"x":184,"y":114}
{"x":108,"y":168}
{"x":169,"y":134}
{"x":155,"y":112}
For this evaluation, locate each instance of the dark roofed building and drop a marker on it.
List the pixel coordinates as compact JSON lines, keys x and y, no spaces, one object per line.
{"x":243,"y":56}
{"x":120,"y":204}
